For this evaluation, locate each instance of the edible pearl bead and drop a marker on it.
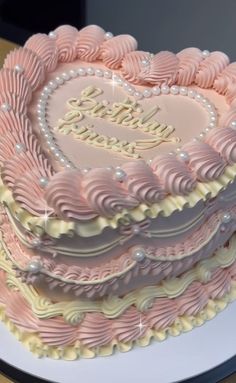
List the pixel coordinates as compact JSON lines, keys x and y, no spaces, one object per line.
{"x":147,"y":93}
{"x":226,"y":218}
{"x":174,"y":89}
{"x":35,"y":266}
{"x":205,"y":53}
{"x":86,"y":170}
{"x":52,"y":35}
{"x":19,"y":68}
{"x":108,"y":35}
{"x":183,"y":156}
{"x":130,"y":90}
{"x":145,"y":62}
{"x":156,"y":90}
{"x":20,"y":148}
{"x":99,"y":72}
{"x":120,"y":174}
{"x":191,"y":93}
{"x":5,"y":107}
{"x":59,"y":80}
{"x":65,"y":76}
{"x":165,"y":89}
{"x":233,"y":124}
{"x":183,"y":91}
{"x":212,"y":124}
{"x":138,"y":255}
{"x":202,"y":135}
{"x":107,"y":74}
{"x":136,"y":229}
{"x":90,"y":71}
{"x":43,"y":181}
{"x":198,"y":97}
{"x":81,"y":72}
{"x":73,"y":73}
{"x":36,"y":242}
{"x":138,"y":95}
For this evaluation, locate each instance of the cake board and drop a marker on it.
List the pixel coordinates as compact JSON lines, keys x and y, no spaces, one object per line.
{"x":174,"y":360}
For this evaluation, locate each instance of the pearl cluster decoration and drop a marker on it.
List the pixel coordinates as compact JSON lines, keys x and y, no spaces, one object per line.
{"x":116,"y":80}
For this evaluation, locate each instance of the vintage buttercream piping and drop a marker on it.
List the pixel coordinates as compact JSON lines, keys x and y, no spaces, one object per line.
{"x":156,"y":91}
{"x":223,"y":258}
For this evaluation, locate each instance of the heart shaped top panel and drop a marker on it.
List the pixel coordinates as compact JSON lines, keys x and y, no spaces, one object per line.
{"x":94,"y":117}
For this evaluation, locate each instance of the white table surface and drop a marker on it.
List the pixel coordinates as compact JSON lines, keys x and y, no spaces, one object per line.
{"x":173,"y":360}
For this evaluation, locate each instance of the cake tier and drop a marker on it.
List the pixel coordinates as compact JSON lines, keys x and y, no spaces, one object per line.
{"x":81,"y":331}
{"x":88,"y":100}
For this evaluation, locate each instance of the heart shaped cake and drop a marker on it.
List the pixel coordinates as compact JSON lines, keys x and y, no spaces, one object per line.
{"x":117,"y":191}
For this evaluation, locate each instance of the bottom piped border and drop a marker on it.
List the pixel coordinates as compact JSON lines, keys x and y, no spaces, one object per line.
{"x":183,"y":324}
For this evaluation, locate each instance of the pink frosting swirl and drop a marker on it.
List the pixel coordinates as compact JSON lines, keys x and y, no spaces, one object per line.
{"x":45,"y":48}
{"x":204,"y":161}
{"x":64,"y":195}
{"x":27,"y":178}
{"x":56,"y":332}
{"x":220,"y":283}
{"x":31,"y":64}
{"x":105,"y":195}
{"x":189,"y":60}
{"x":163,"y":313}
{"x":16,"y":83}
{"x":89,"y":41}
{"x":113,"y":50}
{"x":162,"y":69}
{"x":66,"y":37}
{"x":131,"y":66}
{"x":15,"y":101}
{"x":95,"y":330}
{"x":25,"y":136}
{"x":126,"y":329}
{"x":142,"y":183}
{"x":174,"y":174}
{"x":223,"y":81}
{"x":13,"y":122}
{"x":193,"y":300}
{"x":223,"y":141}
{"x":227,"y":117}
{"x":20,"y":314}
{"x":210,"y":68}
{"x":231,"y":92}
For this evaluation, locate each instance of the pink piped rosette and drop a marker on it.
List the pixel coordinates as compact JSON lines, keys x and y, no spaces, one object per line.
{"x":104,"y":192}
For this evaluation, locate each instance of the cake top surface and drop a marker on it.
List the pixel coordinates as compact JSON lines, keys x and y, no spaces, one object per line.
{"x":99,"y":131}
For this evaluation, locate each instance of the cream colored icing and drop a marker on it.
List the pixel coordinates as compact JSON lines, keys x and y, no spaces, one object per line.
{"x":142,"y":299}
{"x":166,"y":317}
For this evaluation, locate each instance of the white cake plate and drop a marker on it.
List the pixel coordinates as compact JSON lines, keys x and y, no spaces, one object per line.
{"x":174,"y":360}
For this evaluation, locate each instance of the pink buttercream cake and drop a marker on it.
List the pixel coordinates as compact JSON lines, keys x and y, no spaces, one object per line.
{"x":117,"y":191}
